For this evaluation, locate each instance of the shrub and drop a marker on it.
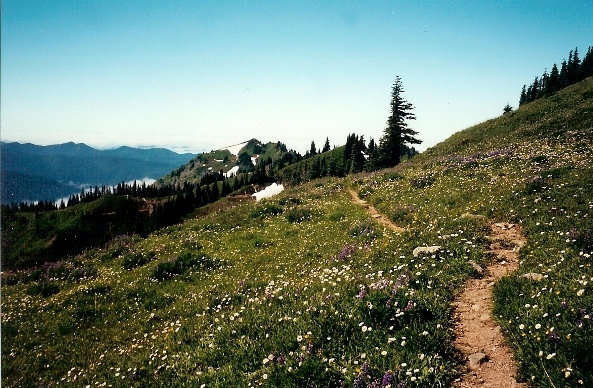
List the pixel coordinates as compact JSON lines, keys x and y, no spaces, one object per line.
{"x":298,"y":215}
{"x":134,"y":260}
{"x":113,"y":253}
{"x":266,"y":209}
{"x":43,"y":288}
{"x":422,"y":181}
{"x":181,"y":264}
{"x":290,"y":200}
{"x":364,"y":229}
{"x":401,"y":213}
{"x":337,"y":216}
{"x":392,"y":176}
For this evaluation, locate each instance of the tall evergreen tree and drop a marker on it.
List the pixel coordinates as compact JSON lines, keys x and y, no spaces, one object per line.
{"x":573,"y":67}
{"x":350,"y":139}
{"x":358,"y":149}
{"x":587,"y":64}
{"x":553,"y":81}
{"x":397,"y":132}
{"x":313,"y":150}
{"x":563,"y":74}
{"x":326,"y":145}
{"x":543,"y":83}
{"x":523,"y":98}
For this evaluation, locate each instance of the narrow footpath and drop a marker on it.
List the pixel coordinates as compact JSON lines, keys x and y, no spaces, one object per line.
{"x":375,"y":213}
{"x":490,"y":361}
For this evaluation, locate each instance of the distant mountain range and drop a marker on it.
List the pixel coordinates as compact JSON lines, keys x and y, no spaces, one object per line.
{"x":31,"y":172}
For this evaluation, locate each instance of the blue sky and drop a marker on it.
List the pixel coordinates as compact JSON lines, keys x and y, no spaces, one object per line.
{"x":200,"y":75}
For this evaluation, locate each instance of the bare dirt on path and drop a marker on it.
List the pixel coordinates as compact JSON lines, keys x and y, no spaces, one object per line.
{"x":490,"y":360}
{"x":375,"y":213}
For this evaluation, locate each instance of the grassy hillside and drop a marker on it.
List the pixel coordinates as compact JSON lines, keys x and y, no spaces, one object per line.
{"x":36,"y":238}
{"x":306,"y":289}
{"x":533,"y":167}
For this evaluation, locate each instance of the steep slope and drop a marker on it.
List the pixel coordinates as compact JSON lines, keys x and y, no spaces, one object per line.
{"x":307,"y":289}
{"x":532,"y":168}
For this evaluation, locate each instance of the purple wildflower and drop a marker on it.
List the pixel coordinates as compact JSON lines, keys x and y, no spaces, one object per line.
{"x":359,"y":381}
{"x":387,"y":379}
{"x":281,"y":359}
{"x":555,"y":338}
{"x":346,"y":252}
{"x":361,"y":293}
{"x":409,"y":306}
{"x":365,"y":368}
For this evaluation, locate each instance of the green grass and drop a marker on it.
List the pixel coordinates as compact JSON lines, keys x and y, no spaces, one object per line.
{"x":305,"y":289}
{"x":286,"y":290}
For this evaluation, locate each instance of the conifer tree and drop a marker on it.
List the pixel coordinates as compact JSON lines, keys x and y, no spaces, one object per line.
{"x":543,"y":83}
{"x":573,"y":67}
{"x":534,"y":90}
{"x":358,"y":149}
{"x":348,"y":147}
{"x":563,"y":74}
{"x":326,"y":145}
{"x":523,"y":98}
{"x":587,"y":64}
{"x":398,"y":132}
{"x":553,"y":81}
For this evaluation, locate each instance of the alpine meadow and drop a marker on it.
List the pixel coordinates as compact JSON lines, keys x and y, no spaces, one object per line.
{"x":349,"y":277}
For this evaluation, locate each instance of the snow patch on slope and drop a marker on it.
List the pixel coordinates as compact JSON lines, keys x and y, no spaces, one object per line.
{"x":231,"y":172}
{"x":269,"y":191}
{"x":236,"y":148}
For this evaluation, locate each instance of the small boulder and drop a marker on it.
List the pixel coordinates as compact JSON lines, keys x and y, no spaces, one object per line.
{"x":476,"y":267}
{"x":431,"y":249}
{"x":533,"y":276}
{"x":476,"y":359}
{"x":477,"y":217}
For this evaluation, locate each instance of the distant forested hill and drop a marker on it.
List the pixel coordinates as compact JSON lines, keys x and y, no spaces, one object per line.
{"x":32,"y":172}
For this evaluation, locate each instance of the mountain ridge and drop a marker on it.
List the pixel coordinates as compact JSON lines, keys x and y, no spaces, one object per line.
{"x":68,"y":166}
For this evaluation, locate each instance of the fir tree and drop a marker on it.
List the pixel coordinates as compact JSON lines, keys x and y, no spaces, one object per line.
{"x":398,"y":132}
{"x":326,"y":145}
{"x":563,"y":74}
{"x":523,"y":98}
{"x":573,"y":67}
{"x":587,"y":64}
{"x":313,"y":150}
{"x":534,"y":90}
{"x":348,"y":147}
{"x":554,"y":81}
{"x":358,"y":149}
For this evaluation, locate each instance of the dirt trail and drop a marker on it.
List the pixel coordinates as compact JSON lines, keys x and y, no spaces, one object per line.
{"x":374,"y":213}
{"x":490,"y":360}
